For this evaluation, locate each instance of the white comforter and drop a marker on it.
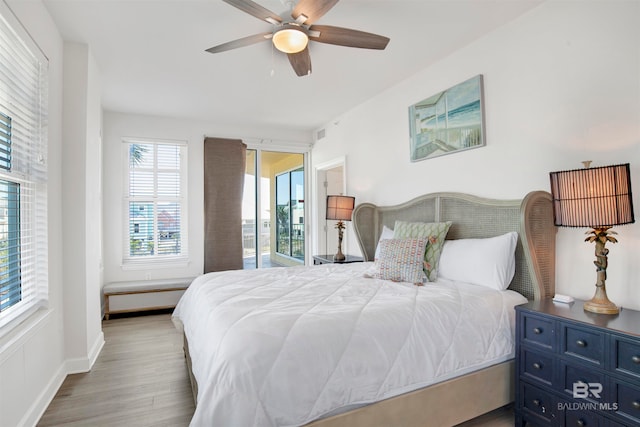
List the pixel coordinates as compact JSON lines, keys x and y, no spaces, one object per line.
{"x":285,"y":346}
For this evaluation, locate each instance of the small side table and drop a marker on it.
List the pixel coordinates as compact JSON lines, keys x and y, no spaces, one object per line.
{"x":328,"y":259}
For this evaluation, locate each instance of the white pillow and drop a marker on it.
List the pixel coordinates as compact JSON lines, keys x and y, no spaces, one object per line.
{"x":386,"y":234}
{"x":487,"y":262}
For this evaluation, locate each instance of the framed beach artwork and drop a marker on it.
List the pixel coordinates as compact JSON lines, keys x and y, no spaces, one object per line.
{"x":449,"y":121}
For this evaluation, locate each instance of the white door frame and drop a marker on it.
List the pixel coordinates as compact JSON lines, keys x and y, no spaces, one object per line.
{"x":319,"y":174}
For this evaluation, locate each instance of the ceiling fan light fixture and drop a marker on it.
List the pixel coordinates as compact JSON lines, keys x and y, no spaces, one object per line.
{"x":290,"y":39}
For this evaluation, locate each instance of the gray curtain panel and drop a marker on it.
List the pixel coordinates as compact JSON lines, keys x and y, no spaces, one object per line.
{"x":224,"y":168}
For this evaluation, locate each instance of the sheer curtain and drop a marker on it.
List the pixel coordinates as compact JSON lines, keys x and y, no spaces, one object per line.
{"x":224,"y":168}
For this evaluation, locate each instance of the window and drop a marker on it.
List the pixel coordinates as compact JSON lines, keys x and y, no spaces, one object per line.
{"x":290,"y":213}
{"x":5,"y":142}
{"x":10,"y":279}
{"x":23,"y":173}
{"x":155,"y":201}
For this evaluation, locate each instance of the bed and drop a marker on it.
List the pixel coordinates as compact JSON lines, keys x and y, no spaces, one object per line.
{"x":329,"y":345}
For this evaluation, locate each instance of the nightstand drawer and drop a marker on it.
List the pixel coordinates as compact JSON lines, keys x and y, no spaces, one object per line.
{"x":536,"y":365}
{"x":538,"y":331}
{"x":582,"y":419}
{"x":538,"y":402}
{"x":583,"y":344}
{"x":626,"y":357}
{"x":529,"y":420}
{"x":627,"y":397}
{"x":582,"y":375}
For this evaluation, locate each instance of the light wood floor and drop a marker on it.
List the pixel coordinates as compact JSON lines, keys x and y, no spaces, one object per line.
{"x":140,"y":379}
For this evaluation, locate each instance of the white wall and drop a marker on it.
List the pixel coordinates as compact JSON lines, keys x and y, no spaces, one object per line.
{"x":82,"y":116}
{"x":562,"y":85}
{"x":118,"y":126}
{"x":32,"y":358}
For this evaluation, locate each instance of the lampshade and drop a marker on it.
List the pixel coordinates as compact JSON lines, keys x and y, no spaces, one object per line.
{"x":340,"y":207}
{"x":592,"y":197}
{"x":290,"y":39}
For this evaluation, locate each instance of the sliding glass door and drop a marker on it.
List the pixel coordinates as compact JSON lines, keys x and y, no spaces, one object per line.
{"x":273,"y":209}
{"x":290,"y":213}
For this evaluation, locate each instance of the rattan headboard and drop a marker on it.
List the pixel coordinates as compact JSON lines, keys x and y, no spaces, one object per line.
{"x":476,"y":217}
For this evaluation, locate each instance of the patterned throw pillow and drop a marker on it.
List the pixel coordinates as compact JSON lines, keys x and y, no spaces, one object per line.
{"x":435,"y":232}
{"x":401,"y":260}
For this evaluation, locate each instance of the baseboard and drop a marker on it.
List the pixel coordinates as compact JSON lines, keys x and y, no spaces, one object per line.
{"x":68,"y":367}
{"x":40,"y":405}
{"x":81,"y":365}
{"x":96,"y":348}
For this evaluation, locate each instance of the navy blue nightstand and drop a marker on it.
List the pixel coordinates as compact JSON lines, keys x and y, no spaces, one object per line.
{"x":576,"y":368}
{"x":328,"y":259}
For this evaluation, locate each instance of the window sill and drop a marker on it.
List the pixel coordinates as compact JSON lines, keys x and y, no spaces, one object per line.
{"x":144,"y":264}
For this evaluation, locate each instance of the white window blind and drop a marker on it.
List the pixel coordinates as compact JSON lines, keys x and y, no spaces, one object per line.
{"x":23,"y":172}
{"x":155,"y":201}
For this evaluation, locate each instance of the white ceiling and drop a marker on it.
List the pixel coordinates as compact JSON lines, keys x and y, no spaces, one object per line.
{"x":152,"y":59}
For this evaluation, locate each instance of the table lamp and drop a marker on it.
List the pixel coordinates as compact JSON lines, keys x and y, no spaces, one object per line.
{"x":598,"y":198}
{"x":340,"y":208}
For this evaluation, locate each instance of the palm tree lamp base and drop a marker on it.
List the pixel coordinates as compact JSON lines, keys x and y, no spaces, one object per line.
{"x":600,"y":302}
{"x":340,"y":256}
{"x":601,"y":305}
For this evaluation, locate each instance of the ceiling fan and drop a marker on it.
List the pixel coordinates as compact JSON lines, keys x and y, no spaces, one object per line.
{"x":292,"y":36}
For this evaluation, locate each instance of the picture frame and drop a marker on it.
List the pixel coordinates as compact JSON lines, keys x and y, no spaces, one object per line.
{"x":449,"y":121}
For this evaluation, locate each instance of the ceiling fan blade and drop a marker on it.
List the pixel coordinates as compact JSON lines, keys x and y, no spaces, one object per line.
{"x":254,"y":9}
{"x":301,"y":62}
{"x":348,"y":37}
{"x":312,"y":9}
{"x":245,"y":41}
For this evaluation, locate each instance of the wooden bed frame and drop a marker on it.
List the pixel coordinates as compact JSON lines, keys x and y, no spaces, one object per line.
{"x":463,"y":398}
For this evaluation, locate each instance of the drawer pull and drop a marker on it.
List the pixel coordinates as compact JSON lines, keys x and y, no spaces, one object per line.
{"x":635,"y":404}
{"x":537,"y":365}
{"x":537,"y":331}
{"x":636,"y":359}
{"x":581,"y":343}
{"x":538,"y":403}
{"x":581,"y":423}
